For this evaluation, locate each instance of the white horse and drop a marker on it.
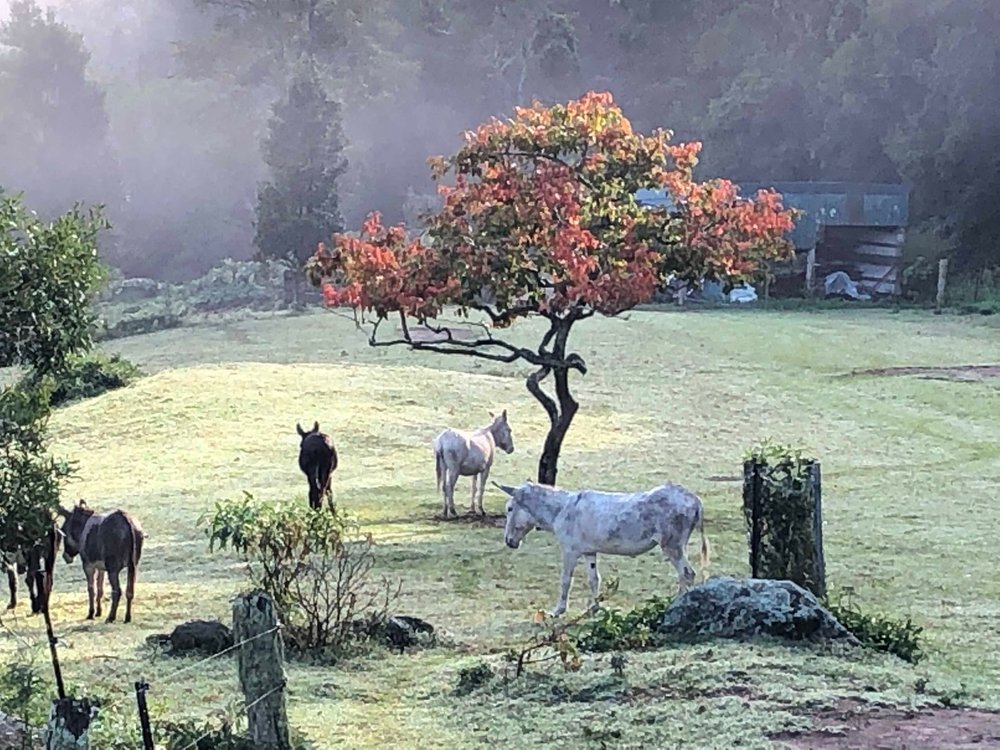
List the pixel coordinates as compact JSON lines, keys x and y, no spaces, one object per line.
{"x":458,"y":453}
{"x":588,"y":522}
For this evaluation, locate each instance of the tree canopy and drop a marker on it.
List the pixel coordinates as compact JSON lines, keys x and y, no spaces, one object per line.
{"x":541,"y":218}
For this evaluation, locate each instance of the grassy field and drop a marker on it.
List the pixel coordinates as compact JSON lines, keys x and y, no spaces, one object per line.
{"x":911,"y":469}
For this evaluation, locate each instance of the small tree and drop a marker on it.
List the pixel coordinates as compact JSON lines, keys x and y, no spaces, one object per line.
{"x":299,"y":207}
{"x":542,"y":220}
{"x":48,"y":275}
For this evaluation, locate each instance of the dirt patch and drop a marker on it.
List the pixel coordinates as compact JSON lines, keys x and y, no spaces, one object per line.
{"x":424,"y":335}
{"x":960,"y":372}
{"x":850,"y":727}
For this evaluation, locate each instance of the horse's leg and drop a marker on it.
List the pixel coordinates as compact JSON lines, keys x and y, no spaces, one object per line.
{"x":12,"y":585}
{"x":594,"y":578}
{"x":568,"y":564}
{"x":91,"y":572}
{"x":472,"y":503}
{"x":116,"y":590}
{"x":674,"y":554}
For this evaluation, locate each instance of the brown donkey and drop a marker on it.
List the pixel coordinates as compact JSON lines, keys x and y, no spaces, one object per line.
{"x":106,"y":542}
{"x":37,"y":566}
{"x":317,"y":460}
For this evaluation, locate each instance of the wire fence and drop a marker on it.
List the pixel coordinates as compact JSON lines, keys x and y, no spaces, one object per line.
{"x":241,"y":705}
{"x":232,"y":709}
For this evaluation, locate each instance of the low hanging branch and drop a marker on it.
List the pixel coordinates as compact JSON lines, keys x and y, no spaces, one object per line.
{"x":541,"y":220}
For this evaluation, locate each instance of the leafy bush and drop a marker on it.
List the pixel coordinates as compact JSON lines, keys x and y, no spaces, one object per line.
{"x":86,"y":376}
{"x":24,"y":696}
{"x":316,"y":566}
{"x":892,"y":635}
{"x":190,"y":735}
{"x":780,"y":476}
{"x":470,"y":678}
{"x":614,"y":630}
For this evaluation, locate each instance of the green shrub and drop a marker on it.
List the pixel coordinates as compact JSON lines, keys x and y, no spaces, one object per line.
{"x":786,"y":547}
{"x":24,"y":696}
{"x":315,"y":565}
{"x":892,"y":635}
{"x":87,"y":376}
{"x":190,"y":735}
{"x":470,"y":678}
{"x":614,"y":630}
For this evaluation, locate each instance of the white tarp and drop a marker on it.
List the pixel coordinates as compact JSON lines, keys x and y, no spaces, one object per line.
{"x":745,"y":293}
{"x":840,"y":284}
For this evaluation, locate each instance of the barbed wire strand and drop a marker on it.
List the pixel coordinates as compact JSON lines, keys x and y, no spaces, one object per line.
{"x":232,"y":709}
{"x":130,"y":696}
{"x":189,"y":667}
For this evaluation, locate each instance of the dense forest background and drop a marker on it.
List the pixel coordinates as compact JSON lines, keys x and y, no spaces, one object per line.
{"x":162,"y":109}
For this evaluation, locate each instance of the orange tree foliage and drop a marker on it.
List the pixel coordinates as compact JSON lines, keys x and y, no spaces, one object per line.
{"x":539,"y":217}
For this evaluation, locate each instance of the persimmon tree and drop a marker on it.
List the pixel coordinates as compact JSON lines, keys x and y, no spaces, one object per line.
{"x":539,"y":217}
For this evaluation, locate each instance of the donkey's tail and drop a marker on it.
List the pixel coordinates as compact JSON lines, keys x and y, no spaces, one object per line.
{"x":439,"y":467}
{"x":133,"y":560}
{"x":705,"y":551}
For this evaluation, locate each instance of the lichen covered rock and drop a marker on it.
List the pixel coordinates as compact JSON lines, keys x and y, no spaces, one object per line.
{"x":748,"y":608}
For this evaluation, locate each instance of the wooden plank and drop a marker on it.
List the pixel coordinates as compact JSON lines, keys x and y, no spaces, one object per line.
{"x":872,"y":270}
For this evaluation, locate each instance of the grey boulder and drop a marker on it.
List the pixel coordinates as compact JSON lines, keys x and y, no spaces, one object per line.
{"x":747,"y":608}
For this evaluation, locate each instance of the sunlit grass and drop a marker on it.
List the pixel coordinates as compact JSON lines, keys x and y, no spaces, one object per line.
{"x":911,"y":469}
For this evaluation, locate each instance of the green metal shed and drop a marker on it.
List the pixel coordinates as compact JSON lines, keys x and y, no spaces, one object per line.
{"x":853,"y":227}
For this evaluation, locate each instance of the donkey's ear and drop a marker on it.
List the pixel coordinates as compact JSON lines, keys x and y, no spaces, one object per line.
{"x":315,"y":427}
{"x":298,"y":429}
{"x":81,"y":503}
{"x":492,"y":415}
{"x":504,"y":415}
{"x":506,"y":488}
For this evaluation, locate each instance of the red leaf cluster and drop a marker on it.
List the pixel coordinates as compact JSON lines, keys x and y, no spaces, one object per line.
{"x":541,"y":217}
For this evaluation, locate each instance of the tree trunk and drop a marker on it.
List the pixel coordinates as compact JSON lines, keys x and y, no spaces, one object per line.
{"x":560,"y":409}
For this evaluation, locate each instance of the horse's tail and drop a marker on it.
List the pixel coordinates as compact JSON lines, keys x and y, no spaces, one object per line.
{"x":705,"y":552}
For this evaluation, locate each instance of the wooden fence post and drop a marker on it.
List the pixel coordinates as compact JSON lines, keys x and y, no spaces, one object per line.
{"x":942,"y":282}
{"x":815,"y":479}
{"x":752,"y":487}
{"x":69,"y":718}
{"x":810,"y":271}
{"x":261,"y":669}
{"x":69,"y":724}
{"x":147,"y":731}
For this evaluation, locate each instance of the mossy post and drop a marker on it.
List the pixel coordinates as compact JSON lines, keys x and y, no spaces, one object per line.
{"x":69,"y":724}
{"x":262,"y":670}
{"x":782,"y":506}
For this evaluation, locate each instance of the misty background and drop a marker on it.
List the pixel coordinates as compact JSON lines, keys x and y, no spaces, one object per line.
{"x":161,"y":109}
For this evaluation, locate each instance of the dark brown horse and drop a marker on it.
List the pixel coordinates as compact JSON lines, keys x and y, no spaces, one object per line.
{"x":105,"y":542}
{"x":318,"y":460}
{"x":37,"y":566}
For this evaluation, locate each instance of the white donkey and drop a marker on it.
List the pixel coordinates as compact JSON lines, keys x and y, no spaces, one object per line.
{"x":588,"y":522}
{"x":458,"y":453}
